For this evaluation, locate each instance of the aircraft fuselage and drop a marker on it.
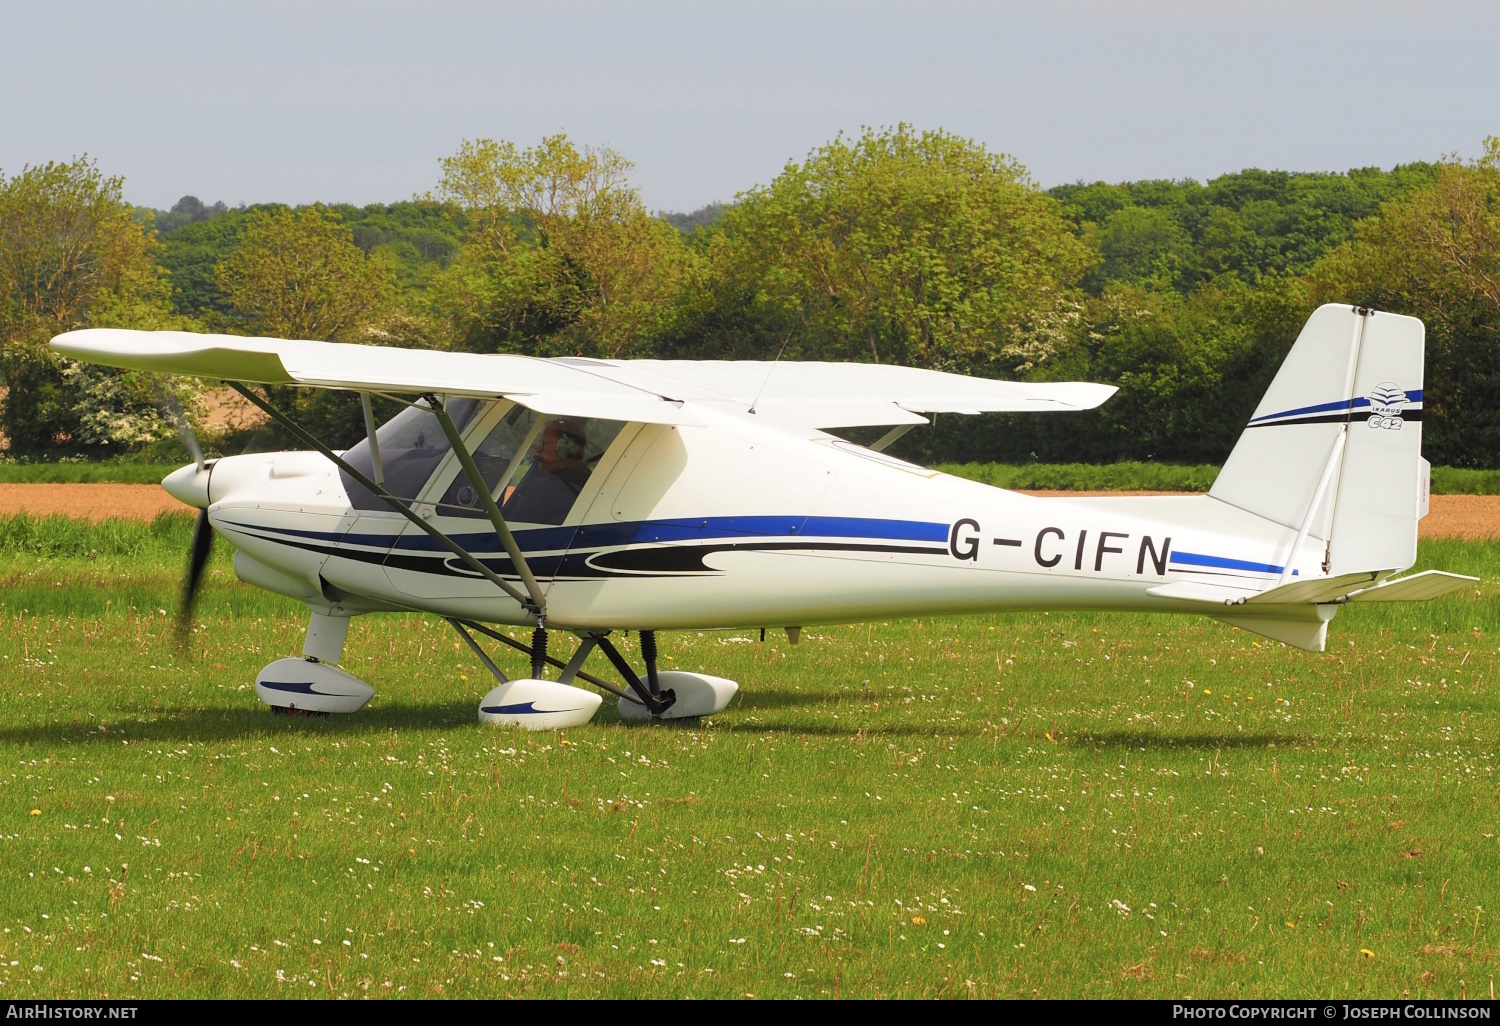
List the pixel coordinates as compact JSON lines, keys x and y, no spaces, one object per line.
{"x":743,"y":521}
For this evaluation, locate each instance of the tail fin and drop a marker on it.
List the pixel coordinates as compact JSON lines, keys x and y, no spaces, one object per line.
{"x":1334,"y":450}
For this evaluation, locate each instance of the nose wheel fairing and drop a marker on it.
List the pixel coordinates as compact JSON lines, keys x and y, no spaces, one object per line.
{"x":311,"y":684}
{"x":308,"y":686}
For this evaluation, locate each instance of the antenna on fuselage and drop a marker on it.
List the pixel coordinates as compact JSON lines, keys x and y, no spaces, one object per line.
{"x":769,"y":369}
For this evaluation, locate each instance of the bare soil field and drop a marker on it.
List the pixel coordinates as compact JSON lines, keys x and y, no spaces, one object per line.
{"x":89,"y":501}
{"x":1474,"y":517}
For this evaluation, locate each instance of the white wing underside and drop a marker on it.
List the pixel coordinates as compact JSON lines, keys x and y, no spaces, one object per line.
{"x":828,"y":395}
{"x":812,"y":395}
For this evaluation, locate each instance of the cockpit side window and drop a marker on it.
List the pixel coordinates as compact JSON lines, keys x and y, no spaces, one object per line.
{"x":493,"y":456}
{"x":555,"y":468}
{"x":412,"y":445}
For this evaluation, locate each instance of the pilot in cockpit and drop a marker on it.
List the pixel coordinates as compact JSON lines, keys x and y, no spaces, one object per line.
{"x":557,"y":474}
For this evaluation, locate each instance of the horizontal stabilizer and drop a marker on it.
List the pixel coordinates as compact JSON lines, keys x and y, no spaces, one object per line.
{"x":1429,"y":584}
{"x":1314,"y":589}
{"x":1298,"y":593}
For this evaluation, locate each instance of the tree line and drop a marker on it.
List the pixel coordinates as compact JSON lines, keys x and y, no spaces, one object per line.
{"x":896,"y":246}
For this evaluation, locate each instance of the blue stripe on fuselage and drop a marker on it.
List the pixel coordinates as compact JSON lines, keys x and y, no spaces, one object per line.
{"x":1223,"y":562}
{"x":594,"y":536}
{"x":552,"y":539}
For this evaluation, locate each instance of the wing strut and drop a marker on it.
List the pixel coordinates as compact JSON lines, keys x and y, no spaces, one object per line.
{"x":482,"y":489}
{"x":880,"y":444}
{"x":390,"y":500}
{"x":373,"y":436}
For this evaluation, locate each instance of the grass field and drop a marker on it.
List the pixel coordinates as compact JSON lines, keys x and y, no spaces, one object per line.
{"x":85,"y":473}
{"x":1020,"y":805}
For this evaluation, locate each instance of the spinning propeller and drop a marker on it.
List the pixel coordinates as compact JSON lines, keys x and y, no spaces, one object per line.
{"x":190,"y":485}
{"x":198,"y":552}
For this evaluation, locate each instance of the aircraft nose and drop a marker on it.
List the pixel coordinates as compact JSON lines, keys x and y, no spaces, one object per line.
{"x":189,"y":484}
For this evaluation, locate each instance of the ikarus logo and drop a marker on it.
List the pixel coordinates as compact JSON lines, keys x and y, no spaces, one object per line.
{"x":1387,"y":402}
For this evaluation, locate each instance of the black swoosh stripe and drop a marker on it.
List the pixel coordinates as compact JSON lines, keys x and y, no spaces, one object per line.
{"x":1333,"y":418}
{"x":654,"y":560}
{"x":688,"y":559}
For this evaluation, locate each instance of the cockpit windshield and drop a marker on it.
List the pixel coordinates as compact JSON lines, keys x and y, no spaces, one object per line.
{"x":412,"y":444}
{"x":535,"y":466}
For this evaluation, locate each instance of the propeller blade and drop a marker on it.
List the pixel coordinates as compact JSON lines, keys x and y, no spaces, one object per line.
{"x":172,"y":410}
{"x":203,"y":539}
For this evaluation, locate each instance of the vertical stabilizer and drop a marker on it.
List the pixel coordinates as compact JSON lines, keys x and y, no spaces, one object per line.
{"x":1381,"y":487}
{"x":1333,"y":451}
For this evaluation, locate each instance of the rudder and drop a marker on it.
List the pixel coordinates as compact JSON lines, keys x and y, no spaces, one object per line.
{"x":1334,"y":450}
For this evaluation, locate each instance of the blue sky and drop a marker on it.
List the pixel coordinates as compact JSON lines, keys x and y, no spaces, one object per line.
{"x":357,"y":101}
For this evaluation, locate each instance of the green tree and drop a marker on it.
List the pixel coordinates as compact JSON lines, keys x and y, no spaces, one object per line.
{"x":1146,"y":244}
{"x":561,"y":256}
{"x":299,"y":275}
{"x":73,"y":255}
{"x":1247,"y":223}
{"x":903,"y":247}
{"x":1190,"y":370}
{"x":190,"y":254}
{"x":1435,"y":254}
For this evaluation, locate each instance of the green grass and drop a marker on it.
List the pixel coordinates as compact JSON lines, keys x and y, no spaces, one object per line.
{"x":87,"y":473}
{"x":1457,"y":481}
{"x":1019,"y":805}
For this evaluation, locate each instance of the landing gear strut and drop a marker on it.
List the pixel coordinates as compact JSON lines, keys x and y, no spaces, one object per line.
{"x":539,"y":652}
{"x":541,"y":704}
{"x":650,"y":695}
{"x":669,"y":694}
{"x":646,"y":695}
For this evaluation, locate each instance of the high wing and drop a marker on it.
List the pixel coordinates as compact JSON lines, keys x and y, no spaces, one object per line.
{"x":837,"y":395}
{"x":547,"y":386}
{"x":807,"y":394}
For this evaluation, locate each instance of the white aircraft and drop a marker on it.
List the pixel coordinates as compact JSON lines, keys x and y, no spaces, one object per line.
{"x":592,"y":496}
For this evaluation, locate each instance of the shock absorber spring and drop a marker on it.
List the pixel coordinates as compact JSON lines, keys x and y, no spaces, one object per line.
{"x":538,"y":653}
{"x":648,"y":653}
